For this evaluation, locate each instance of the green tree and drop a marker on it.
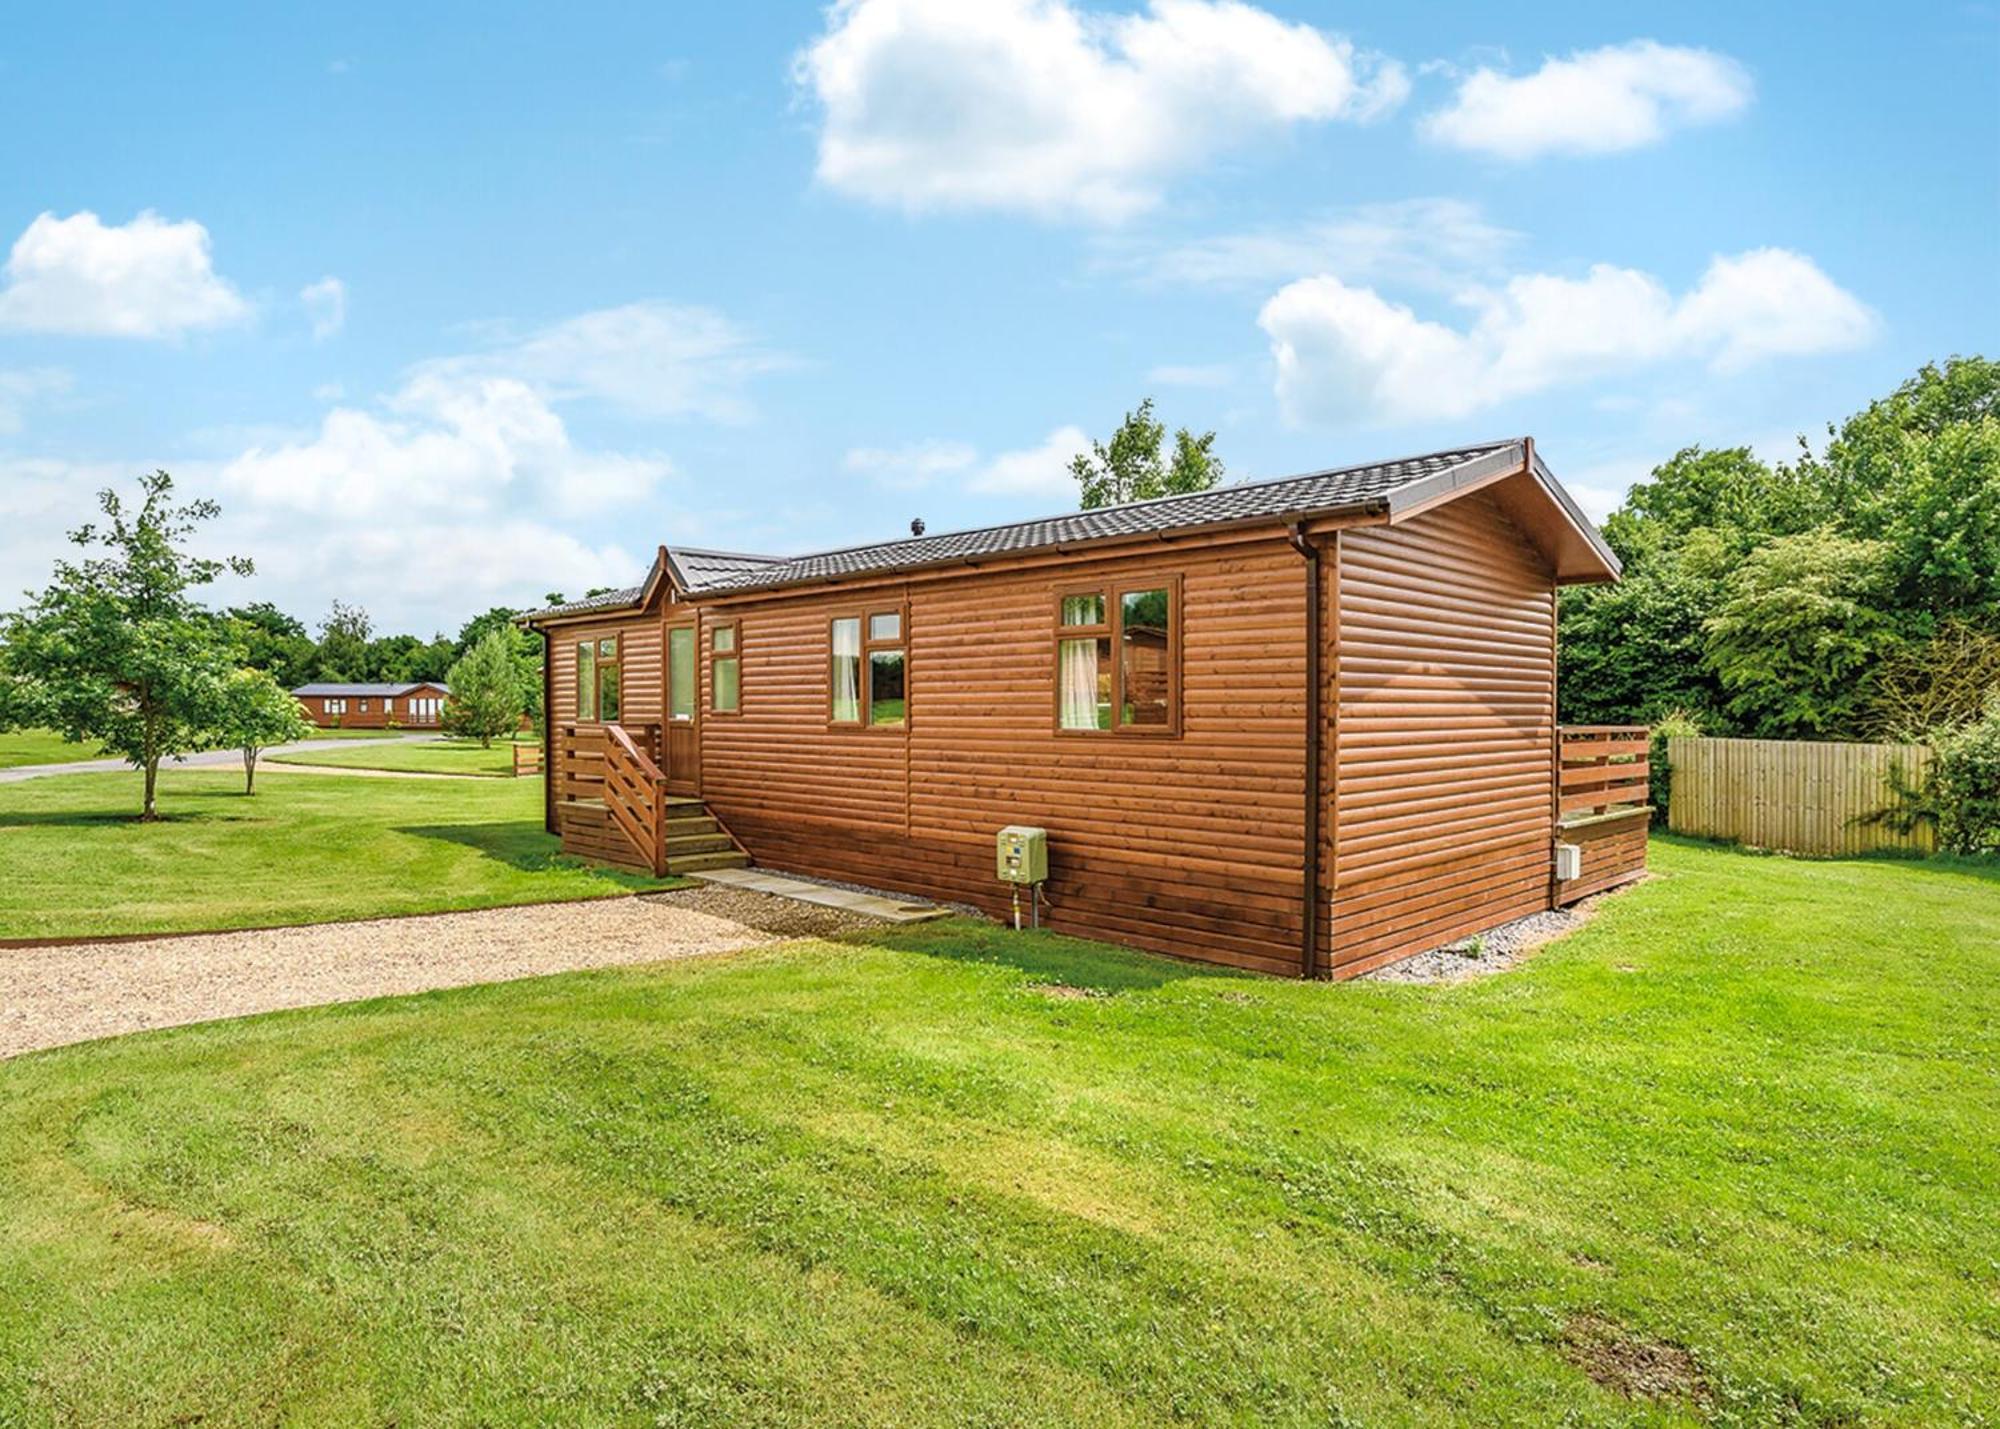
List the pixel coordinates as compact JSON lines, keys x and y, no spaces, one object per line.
{"x":343,"y":643}
{"x":485,"y":691}
{"x":1135,"y":465}
{"x":116,"y":650}
{"x":255,"y":713}
{"x":525,"y":647}
{"x":275,"y":642}
{"x":1799,"y":634}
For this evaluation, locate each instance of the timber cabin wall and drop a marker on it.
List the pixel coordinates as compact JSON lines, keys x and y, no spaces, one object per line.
{"x":641,"y":691}
{"x":1441,"y":653}
{"x":376,"y":716}
{"x":1188,"y":844}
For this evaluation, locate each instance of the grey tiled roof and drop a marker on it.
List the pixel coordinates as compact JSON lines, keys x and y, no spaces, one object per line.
{"x":1322,"y":491}
{"x":603,"y":600}
{"x":702,"y":569}
{"x":1373,"y":485}
{"x":365,"y":691}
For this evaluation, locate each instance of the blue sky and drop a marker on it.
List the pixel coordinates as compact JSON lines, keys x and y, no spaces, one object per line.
{"x":453,"y":305}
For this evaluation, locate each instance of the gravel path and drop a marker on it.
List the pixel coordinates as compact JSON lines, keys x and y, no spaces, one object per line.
{"x":53,"y":996}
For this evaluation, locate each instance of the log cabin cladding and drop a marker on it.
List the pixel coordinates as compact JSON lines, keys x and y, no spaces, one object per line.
{"x":1147,"y":703}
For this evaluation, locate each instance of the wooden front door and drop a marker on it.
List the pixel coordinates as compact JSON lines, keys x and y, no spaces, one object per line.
{"x":682,"y":738}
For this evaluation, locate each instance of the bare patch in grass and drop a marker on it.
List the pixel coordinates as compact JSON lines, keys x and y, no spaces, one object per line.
{"x":1063,"y":992}
{"x":1630,"y":1364}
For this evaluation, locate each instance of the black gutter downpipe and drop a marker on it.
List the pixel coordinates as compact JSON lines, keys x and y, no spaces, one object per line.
{"x":1309,"y":942}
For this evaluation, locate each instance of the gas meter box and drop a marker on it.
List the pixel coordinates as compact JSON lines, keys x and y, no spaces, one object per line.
{"x":1024,"y":855}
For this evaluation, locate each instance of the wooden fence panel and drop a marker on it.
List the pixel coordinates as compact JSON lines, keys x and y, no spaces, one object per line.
{"x":1794,"y":795}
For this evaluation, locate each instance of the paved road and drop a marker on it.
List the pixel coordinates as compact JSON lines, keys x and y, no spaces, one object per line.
{"x":211,"y":759}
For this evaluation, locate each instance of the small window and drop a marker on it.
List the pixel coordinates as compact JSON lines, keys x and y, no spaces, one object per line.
{"x":846,"y":671}
{"x":1117,"y":659}
{"x":880,"y":660}
{"x":725,"y":670}
{"x":364,"y":707}
{"x":586,"y":680}
{"x":681,"y":671}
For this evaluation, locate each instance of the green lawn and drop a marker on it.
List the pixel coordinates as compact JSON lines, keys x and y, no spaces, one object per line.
{"x":456,"y":756}
{"x":304,"y":849}
{"x":356,"y":733}
{"x":41,"y":746}
{"x":1734,"y":1141}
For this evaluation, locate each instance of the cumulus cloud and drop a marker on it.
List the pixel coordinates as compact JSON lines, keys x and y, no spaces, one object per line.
{"x":326,"y":306}
{"x":1346,"y":354}
{"x":467,"y":445}
{"x":910,"y":467}
{"x":1040,"y":107}
{"x":1041,"y":470}
{"x":1600,"y":101}
{"x":645,"y":359}
{"x":149,"y":278}
{"x":1429,"y":242}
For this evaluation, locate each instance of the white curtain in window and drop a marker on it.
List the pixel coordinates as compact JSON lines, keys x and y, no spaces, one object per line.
{"x":1079,"y":684}
{"x":847,"y":669}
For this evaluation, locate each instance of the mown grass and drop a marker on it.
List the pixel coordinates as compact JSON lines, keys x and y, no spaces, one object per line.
{"x":1727,"y":1154}
{"x":41,"y":746}
{"x":305,"y":848}
{"x":450,"y":756}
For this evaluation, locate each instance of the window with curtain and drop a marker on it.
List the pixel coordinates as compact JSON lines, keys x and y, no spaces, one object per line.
{"x":725,"y":671}
{"x":870,"y":670}
{"x":1117,"y":659}
{"x":847,"y":670}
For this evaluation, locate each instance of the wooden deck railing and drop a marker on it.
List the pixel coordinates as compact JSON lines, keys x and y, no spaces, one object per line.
{"x":1604,"y":766}
{"x":635,"y":793}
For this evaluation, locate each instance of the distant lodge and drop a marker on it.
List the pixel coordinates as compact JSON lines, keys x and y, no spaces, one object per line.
{"x":337,"y":706}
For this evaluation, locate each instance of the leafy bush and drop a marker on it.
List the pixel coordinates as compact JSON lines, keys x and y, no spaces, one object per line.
{"x":1965,"y":783}
{"x":1675,"y":724}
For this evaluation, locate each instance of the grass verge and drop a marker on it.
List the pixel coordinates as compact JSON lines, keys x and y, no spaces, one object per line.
{"x":1724,"y":1155}
{"x":303,"y":849}
{"x":453,"y":756}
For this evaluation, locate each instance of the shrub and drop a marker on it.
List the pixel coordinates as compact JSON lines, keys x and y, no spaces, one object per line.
{"x":1676,"y":724}
{"x":1965,"y":783}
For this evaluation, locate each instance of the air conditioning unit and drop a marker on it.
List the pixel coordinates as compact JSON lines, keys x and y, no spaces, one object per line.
{"x":1569,"y":862}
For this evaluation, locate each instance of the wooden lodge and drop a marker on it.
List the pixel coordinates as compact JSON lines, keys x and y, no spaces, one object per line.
{"x":418,"y":705}
{"x":1304,"y":726}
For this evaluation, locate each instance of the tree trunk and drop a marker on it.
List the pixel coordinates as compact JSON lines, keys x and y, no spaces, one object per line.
{"x":250,"y":771}
{"x":150,"y":813}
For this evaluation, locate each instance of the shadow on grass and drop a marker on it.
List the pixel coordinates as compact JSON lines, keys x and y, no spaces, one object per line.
{"x":531,"y":849}
{"x":1044,"y":956}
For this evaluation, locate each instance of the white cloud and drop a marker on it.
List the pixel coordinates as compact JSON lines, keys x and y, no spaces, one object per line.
{"x":1431,"y":242}
{"x":1041,"y":471}
{"x":1038,"y":106}
{"x":1346,"y":354}
{"x":910,"y":467}
{"x":465,"y":445}
{"x":1037,"y":471}
{"x":20,"y":390}
{"x":147,"y":278}
{"x":326,"y":305}
{"x":645,"y":359}
{"x":1600,"y":101}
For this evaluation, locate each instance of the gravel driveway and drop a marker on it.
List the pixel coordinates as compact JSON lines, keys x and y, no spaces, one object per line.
{"x":53,"y":996}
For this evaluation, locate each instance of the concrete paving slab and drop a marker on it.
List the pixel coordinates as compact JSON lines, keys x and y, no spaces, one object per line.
{"x":760,"y":880}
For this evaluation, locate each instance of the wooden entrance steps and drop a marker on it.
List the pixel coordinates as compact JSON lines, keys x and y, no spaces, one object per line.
{"x":692,"y":839}
{"x":696,"y":841}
